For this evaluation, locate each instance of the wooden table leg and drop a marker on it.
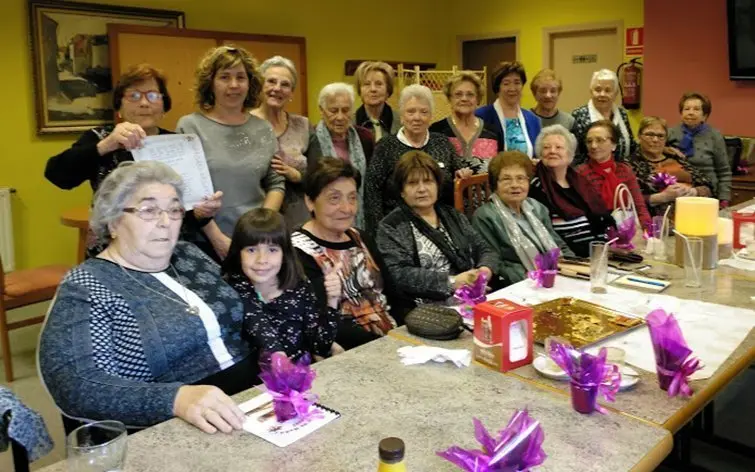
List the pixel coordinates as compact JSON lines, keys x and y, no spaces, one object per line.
{"x":82,"y":250}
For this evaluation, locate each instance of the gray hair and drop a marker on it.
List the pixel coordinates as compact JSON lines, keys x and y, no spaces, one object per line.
{"x":280,"y":61}
{"x":556,"y":130}
{"x":120,"y":186}
{"x":336,"y":88}
{"x":605,"y":74}
{"x":420,"y":92}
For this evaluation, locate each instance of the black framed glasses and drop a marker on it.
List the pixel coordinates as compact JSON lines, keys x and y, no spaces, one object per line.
{"x":153,"y":213}
{"x":136,"y":96}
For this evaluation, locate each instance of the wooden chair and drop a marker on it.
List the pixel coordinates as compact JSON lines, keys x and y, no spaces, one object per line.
{"x":471,"y":193}
{"x":21,"y":288}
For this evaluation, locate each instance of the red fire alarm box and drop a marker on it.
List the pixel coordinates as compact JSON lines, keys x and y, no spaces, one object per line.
{"x":502,"y":334}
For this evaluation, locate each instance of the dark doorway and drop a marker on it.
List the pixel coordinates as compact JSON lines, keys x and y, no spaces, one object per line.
{"x":480,"y":53}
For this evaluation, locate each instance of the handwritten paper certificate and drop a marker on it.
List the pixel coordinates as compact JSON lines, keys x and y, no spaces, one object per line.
{"x":184,"y":154}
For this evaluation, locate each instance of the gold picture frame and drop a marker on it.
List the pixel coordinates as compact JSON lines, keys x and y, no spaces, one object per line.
{"x":72,"y":79}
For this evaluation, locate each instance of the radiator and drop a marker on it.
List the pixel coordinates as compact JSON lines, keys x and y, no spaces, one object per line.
{"x":7,"y":252}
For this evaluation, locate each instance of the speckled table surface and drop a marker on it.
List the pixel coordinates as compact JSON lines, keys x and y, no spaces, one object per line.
{"x":430,"y":406}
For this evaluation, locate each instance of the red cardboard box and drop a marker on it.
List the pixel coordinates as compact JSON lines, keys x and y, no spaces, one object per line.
{"x":502,"y":334}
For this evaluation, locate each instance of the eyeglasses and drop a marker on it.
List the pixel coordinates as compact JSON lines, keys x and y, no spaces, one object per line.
{"x":599,"y":140}
{"x":136,"y":96}
{"x":520,"y":179}
{"x":654,"y":135}
{"x":152,"y":213}
{"x":460,"y":95}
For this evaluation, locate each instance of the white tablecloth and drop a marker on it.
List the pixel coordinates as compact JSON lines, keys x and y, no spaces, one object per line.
{"x":712,"y":331}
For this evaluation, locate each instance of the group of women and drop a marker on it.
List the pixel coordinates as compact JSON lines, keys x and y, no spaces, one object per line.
{"x":321,"y":238}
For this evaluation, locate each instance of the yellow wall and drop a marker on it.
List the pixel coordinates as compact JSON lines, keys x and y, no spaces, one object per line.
{"x":529,"y":17}
{"x":336,"y":30}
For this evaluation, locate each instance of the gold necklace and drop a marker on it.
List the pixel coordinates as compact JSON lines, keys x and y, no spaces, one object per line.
{"x":190,"y":309}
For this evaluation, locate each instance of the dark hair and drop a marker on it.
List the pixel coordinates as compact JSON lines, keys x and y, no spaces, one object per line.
{"x":264,"y":226}
{"x":326,"y":171}
{"x":508,"y":159}
{"x":140,"y":73}
{"x":413,"y":161}
{"x":609,"y":126}
{"x":707,"y":107}
{"x":505,"y":68}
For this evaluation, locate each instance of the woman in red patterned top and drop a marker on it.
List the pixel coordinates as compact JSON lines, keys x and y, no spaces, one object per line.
{"x":605,"y":174}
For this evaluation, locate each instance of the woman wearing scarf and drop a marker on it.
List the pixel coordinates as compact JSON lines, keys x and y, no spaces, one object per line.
{"x":703,"y":145}
{"x":429,"y":248}
{"x":518,"y":127}
{"x":375,"y":86}
{"x":335,"y":136}
{"x":577,"y":212}
{"x":605,"y":174}
{"x":517,"y":227}
{"x":604,"y":88}
{"x":664,"y":177}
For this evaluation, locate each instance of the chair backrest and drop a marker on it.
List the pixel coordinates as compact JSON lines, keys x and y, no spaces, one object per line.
{"x":471,"y":193}
{"x":734,"y":147}
{"x":2,"y":280}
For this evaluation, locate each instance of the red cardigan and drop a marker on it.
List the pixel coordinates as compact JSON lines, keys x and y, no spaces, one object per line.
{"x":626,"y":176}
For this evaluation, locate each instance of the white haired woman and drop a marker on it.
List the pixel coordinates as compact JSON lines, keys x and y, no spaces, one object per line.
{"x":279,"y":79}
{"x":335,"y":136}
{"x":577,"y":212}
{"x":148,"y":329}
{"x":416,"y":110}
{"x":375,"y":86}
{"x":604,"y":88}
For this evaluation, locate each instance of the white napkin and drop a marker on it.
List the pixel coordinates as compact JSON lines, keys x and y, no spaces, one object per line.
{"x":411,"y":355}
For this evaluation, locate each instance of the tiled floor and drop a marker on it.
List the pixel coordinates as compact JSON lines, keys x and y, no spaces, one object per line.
{"x":735,"y":411}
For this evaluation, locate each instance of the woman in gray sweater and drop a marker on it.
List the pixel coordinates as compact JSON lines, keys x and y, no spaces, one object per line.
{"x":239,"y":147}
{"x":703,"y":145}
{"x":147,"y":330}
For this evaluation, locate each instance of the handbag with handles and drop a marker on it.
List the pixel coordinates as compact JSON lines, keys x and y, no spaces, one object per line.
{"x":624,"y":211}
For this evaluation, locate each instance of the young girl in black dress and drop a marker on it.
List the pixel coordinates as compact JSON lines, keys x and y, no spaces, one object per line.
{"x":281,"y":311}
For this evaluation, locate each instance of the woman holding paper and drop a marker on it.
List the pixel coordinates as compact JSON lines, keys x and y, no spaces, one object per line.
{"x":518,"y":127}
{"x":146,"y":330}
{"x":517,"y":227}
{"x":239,"y":147}
{"x":279,"y":79}
{"x":140,"y":101}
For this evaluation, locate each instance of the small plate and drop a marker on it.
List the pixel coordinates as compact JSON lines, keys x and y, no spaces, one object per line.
{"x":549,"y":369}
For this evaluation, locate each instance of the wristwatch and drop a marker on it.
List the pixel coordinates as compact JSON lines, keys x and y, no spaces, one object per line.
{"x":452,"y":281}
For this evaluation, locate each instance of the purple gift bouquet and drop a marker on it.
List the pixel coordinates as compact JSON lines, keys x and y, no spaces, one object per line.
{"x":546,"y":268}
{"x":289,"y":384}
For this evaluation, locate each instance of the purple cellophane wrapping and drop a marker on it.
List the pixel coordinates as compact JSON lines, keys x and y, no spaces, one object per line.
{"x":663,"y":180}
{"x":544,"y":264}
{"x":289,"y":384}
{"x":588,"y":370}
{"x":623,"y":233}
{"x":471,"y":295}
{"x":673,"y":358}
{"x":517,"y":448}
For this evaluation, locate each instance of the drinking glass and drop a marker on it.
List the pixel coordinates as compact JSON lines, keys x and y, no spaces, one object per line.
{"x":693,"y":262}
{"x":598,"y":267}
{"x":97,"y":447}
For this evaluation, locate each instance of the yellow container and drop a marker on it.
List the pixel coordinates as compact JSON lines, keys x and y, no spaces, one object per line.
{"x":696,"y":216}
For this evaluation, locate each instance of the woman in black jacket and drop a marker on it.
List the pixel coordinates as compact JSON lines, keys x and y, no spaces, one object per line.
{"x":430,"y":249}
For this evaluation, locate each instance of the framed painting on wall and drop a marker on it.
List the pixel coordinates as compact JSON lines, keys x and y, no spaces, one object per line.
{"x":72,"y":76}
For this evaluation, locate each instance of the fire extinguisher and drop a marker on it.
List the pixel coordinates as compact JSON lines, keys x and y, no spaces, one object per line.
{"x":630,"y":80}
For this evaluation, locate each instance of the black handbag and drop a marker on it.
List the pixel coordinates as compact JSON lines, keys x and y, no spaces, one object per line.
{"x":434,"y":322}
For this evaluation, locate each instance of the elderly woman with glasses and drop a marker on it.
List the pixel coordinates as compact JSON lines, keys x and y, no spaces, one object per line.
{"x":703,"y":145}
{"x":430,"y":249}
{"x":239,"y":146}
{"x":147,"y":330}
{"x":375,"y":86}
{"x":604,"y":88}
{"x":416,"y":108}
{"x":651,"y":162}
{"x":475,"y":141}
{"x":140,"y":101}
{"x":577,"y":212}
{"x":518,"y":127}
{"x":335,"y":136}
{"x":516,"y":226}
{"x":279,"y":79}
{"x":605,"y":174}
